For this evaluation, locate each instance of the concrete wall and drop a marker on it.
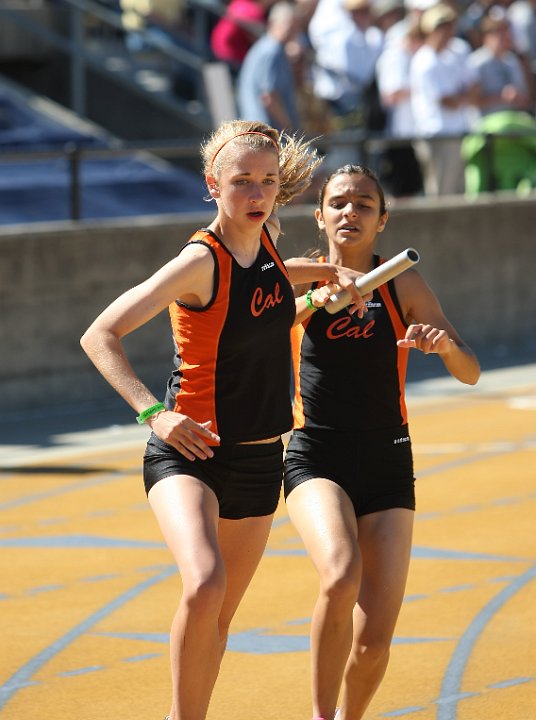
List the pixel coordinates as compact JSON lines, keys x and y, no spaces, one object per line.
{"x":55,"y":278}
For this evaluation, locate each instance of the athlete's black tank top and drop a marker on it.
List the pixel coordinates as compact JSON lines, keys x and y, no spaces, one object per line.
{"x":233,"y":355}
{"x":349,"y":373}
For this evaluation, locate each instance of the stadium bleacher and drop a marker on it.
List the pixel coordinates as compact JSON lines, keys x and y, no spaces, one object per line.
{"x":38,"y":190}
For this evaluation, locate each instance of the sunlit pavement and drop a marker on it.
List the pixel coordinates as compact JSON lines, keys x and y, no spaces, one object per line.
{"x":88,"y":587}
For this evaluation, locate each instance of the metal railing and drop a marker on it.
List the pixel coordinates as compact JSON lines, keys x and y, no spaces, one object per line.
{"x":191,"y":55}
{"x":365,"y":147}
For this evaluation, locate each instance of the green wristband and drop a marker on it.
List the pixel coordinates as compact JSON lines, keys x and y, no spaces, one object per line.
{"x":309,"y":302}
{"x":149,"y":412}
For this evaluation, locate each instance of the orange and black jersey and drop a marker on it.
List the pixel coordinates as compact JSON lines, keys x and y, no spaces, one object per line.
{"x":233,"y":355}
{"x":349,"y":372}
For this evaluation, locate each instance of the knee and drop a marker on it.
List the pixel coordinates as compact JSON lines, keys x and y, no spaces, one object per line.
{"x":374,"y":655}
{"x":205,"y":596}
{"x":340,"y":585}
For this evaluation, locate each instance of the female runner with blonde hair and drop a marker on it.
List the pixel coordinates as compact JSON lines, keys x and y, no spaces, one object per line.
{"x":213,"y":463}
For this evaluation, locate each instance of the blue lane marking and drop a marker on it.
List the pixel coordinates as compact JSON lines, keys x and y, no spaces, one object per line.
{"x":257,"y":642}
{"x":80,"y":671}
{"x":507,"y":501}
{"x":421,"y":553}
{"x":100,"y":578}
{"x":425,"y":553}
{"x":143,"y":636}
{"x":404,"y":711}
{"x":97,"y":541}
{"x":79,"y":541}
{"x":43,"y":589}
{"x":455,"y":697}
{"x":417,"y":596}
{"x":23,"y":675}
{"x":294,"y":552}
{"x":16,"y":686}
{"x":139,"y":658}
{"x":450,"y":690}
{"x":27,"y":499}
{"x":261,"y":641}
{"x":510,"y":683}
{"x":419,"y":640}
{"x":153,"y":568}
{"x":457,"y":588}
{"x":502,"y":579}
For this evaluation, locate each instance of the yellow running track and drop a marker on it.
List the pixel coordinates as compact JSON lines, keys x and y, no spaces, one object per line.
{"x":89,"y":589}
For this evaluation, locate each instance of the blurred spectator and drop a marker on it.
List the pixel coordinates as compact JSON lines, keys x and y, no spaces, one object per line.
{"x":139,"y":15}
{"x":413,"y":11}
{"x":266,"y":89}
{"x":500,"y":73}
{"x":386,"y":14}
{"x":346,"y":46}
{"x":442,"y":90}
{"x":306,"y":10}
{"x":154,"y":29}
{"x":315,"y":114}
{"x":470,"y":19}
{"x":399,"y":168}
{"x":522,"y":15}
{"x":234,"y":33}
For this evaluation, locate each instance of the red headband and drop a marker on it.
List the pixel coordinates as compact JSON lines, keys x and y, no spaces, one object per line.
{"x":247,"y":132}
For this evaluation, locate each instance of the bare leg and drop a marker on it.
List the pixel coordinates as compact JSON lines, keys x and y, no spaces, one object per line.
{"x":187,"y":511}
{"x":217,"y":559}
{"x":325,"y":518}
{"x":385,"y":541}
{"x":242,"y":544}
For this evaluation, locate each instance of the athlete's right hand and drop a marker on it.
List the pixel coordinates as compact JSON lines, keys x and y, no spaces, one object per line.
{"x":184,"y":434}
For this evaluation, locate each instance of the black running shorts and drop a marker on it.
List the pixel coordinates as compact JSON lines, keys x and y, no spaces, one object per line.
{"x":245,"y":478}
{"x":374,"y":468}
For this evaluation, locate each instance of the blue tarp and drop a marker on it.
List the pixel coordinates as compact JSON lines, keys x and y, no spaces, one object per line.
{"x":22,"y":127}
{"x":119,"y":187}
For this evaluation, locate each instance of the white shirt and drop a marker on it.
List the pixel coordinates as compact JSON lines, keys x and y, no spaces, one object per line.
{"x":392,"y":74}
{"x":434,"y":76}
{"x":330,"y":22}
{"x":522,"y":16}
{"x":345,"y":56}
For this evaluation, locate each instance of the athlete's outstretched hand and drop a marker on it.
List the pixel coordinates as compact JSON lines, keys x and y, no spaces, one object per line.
{"x":427,"y":339}
{"x":346,"y":279}
{"x":184,"y":434}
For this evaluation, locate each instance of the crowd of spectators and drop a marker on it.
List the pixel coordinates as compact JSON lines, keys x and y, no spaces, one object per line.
{"x":423,"y":75}
{"x":423,"y":72}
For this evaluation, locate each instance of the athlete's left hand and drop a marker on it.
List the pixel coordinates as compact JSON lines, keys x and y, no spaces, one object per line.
{"x":427,"y":339}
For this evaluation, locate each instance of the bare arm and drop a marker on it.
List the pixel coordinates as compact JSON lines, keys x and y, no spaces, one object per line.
{"x":189,"y":276}
{"x":429,"y":330}
{"x":303,"y":271}
{"x":463,"y":98}
{"x":276,"y":109}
